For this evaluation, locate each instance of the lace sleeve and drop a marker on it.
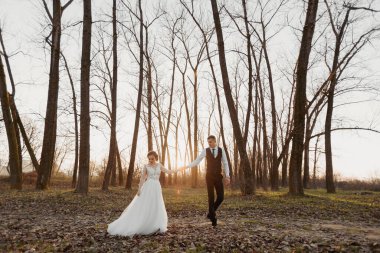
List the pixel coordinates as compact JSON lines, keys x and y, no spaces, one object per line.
{"x":143,"y":176}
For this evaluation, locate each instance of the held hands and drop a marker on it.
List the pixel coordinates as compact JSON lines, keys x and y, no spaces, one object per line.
{"x":182,"y":168}
{"x":227,"y":181}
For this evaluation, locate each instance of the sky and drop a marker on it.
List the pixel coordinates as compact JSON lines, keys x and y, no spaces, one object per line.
{"x":356,"y":154}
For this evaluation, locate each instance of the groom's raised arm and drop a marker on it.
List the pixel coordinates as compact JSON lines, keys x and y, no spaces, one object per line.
{"x":198,"y":160}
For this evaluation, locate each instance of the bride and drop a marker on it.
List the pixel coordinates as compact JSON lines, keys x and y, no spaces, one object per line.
{"x":146,"y":214}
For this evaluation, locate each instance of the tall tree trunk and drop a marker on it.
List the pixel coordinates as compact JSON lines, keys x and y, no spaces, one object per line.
{"x":315,"y":164}
{"x":306,"y":160}
{"x":138,"y":107}
{"x":259,"y":162}
{"x":16,"y":127}
{"x":250,"y":77}
{"x":284,"y":169}
{"x":119,"y":166}
{"x":187,"y":115}
{"x":111,"y":164}
{"x":165,"y":149}
{"x":287,"y":139}
{"x":249,"y":185}
{"x":265,"y":139}
{"x":149,"y":92}
{"x":274,"y":162}
{"x":255,"y":136}
{"x":330,"y":186}
{"x":295,"y":168}
{"x":176,"y":150}
{"x":250,"y":72}
{"x":76,"y":127}
{"x":84,"y":148}
{"x":50,"y":131}
{"x":26,"y":140}
{"x":194,"y":170}
{"x":170,"y":178}
{"x":14,"y":159}
{"x":11,"y":100}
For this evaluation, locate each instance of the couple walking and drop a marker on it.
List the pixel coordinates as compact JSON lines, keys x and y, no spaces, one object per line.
{"x":146,"y":214}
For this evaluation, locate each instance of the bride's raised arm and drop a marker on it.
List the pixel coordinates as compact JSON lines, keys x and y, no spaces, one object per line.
{"x":163,"y":169}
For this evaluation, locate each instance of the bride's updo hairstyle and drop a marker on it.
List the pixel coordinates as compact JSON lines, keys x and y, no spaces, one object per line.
{"x":153,"y":153}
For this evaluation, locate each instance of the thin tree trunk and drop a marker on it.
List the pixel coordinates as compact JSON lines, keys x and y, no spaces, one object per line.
{"x":138,"y":107}
{"x":26,"y":141}
{"x":250,"y":72}
{"x":285,"y":151}
{"x":16,"y":127}
{"x":170,"y":178}
{"x":284,"y":170}
{"x":194,"y":170}
{"x":149,"y":92}
{"x":306,"y":166}
{"x":84,"y":147}
{"x":265,"y":139}
{"x":274,"y":162}
{"x":315,"y":164}
{"x":255,"y":137}
{"x":168,"y":123}
{"x":111,"y":164}
{"x":183,"y":73}
{"x":330,"y":186}
{"x":76,"y":127}
{"x":14,"y":159}
{"x":11,"y":100}
{"x":119,"y":166}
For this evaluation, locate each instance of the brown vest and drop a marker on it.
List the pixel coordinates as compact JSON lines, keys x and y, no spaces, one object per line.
{"x":214,"y":164}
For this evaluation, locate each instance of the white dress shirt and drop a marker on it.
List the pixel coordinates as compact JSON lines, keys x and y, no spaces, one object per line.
{"x":199,"y":159}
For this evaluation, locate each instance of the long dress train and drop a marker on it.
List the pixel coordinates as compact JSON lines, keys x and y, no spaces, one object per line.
{"x":146,"y":214}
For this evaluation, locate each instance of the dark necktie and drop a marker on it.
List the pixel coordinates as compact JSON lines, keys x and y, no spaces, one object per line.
{"x":213,"y":152}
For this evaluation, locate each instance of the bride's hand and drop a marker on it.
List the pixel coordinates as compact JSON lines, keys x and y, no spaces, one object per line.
{"x":227,"y":181}
{"x":138,"y":192}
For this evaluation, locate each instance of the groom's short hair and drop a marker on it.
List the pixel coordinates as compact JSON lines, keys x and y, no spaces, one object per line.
{"x":211,"y":137}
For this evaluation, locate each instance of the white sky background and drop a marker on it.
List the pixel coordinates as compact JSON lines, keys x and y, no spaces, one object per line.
{"x":356,"y":154}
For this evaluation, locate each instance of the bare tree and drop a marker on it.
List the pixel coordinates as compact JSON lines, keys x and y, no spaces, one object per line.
{"x":295,"y":167}
{"x":111,"y":164}
{"x":50,"y":131}
{"x":84,"y":147}
{"x":248,"y":181}
{"x":173,"y":58}
{"x":194,"y":65}
{"x":76,"y":127}
{"x":339,"y":28}
{"x":139,"y":96}
{"x":14,"y":157}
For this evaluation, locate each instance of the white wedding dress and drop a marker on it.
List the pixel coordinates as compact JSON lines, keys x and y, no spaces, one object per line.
{"x":146,"y":214}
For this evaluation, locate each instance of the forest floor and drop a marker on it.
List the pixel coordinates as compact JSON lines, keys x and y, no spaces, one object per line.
{"x":59,"y":220}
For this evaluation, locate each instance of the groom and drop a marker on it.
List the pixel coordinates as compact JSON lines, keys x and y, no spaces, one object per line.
{"x":215,"y":157}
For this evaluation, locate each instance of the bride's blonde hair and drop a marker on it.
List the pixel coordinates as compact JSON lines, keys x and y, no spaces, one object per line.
{"x":152,"y":153}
